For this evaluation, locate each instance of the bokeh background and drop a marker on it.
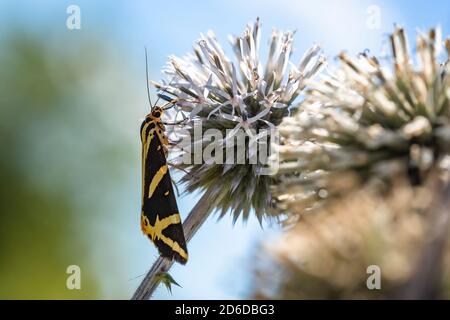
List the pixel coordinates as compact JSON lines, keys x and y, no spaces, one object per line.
{"x":71,"y":102}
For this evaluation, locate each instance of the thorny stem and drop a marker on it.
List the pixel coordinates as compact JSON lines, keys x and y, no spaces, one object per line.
{"x":191,"y":225}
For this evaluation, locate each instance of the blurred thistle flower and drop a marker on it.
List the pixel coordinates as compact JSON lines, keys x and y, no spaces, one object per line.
{"x":326,"y":255}
{"x":369,"y":118}
{"x":214,"y":92}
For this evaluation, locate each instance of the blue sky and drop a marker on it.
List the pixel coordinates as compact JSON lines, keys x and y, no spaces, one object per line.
{"x":220,"y":259}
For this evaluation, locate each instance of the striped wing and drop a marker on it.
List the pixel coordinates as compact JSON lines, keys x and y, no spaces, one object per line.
{"x":160,"y":219}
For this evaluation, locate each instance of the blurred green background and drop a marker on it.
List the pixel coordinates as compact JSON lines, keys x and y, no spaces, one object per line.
{"x":61,"y":154}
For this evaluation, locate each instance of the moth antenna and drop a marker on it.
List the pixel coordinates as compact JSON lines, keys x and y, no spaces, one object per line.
{"x":146,"y":76}
{"x":159,"y":96}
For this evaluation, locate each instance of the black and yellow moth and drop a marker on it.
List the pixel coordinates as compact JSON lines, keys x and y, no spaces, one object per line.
{"x":160,"y":218}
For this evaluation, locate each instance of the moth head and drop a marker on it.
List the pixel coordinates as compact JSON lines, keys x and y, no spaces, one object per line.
{"x":157,"y":112}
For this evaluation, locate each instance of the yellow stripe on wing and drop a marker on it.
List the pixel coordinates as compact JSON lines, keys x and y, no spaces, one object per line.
{"x":146,"y":139}
{"x":155,"y":232}
{"x":157,"y":179}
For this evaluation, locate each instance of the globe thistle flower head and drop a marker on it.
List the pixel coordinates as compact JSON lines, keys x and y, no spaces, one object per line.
{"x":233,"y":97}
{"x":376,"y":119}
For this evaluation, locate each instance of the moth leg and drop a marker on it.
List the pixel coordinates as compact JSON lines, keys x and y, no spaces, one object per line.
{"x":181,"y":169}
{"x":175,"y":123}
{"x":165,"y":150}
{"x":174,"y":183}
{"x":171,"y":102}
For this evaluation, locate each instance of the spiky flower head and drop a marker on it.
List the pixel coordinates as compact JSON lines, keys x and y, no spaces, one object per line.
{"x":370,"y":118}
{"x":240,"y":96}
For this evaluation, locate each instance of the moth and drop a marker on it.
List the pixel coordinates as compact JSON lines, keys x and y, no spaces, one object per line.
{"x":160,"y":218}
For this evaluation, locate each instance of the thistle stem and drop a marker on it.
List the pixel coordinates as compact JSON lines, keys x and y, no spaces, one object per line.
{"x":193,"y":222}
